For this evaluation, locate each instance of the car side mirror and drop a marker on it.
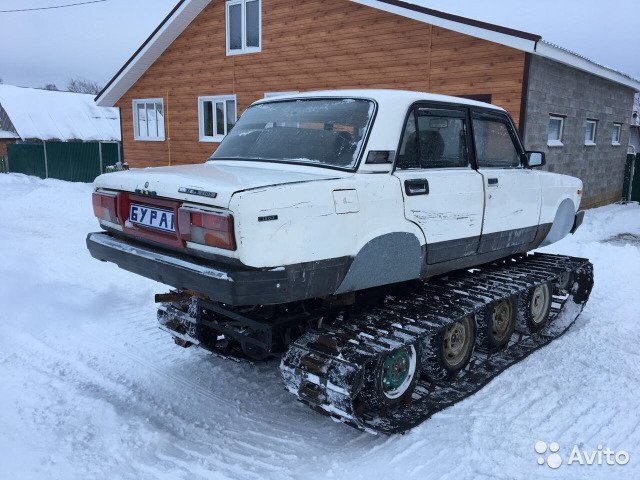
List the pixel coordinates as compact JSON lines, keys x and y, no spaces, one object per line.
{"x":536,"y":159}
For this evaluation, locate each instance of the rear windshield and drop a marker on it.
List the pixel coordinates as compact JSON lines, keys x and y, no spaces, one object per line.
{"x":323,"y":132}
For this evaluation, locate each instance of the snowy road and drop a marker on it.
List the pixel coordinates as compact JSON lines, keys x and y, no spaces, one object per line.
{"x":91,"y":389}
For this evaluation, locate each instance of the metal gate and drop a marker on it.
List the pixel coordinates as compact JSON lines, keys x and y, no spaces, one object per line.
{"x":631,"y":188}
{"x":71,"y":161}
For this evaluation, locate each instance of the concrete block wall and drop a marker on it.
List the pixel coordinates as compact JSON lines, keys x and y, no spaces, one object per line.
{"x":558,"y":89}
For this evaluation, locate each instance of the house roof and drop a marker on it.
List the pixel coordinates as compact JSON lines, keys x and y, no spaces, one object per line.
{"x":169,"y":29}
{"x":187,"y":10}
{"x":8,"y":135}
{"x":36,"y":114}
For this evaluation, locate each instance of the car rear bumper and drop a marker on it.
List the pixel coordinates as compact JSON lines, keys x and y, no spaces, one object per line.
{"x":228,"y":284}
{"x":578,"y":221}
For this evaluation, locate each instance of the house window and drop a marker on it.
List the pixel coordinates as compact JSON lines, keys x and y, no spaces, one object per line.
{"x":148,"y":119}
{"x":616,"y":134}
{"x":244,"y":26}
{"x":556,"y":131}
{"x":216,"y":117}
{"x":590,"y":130}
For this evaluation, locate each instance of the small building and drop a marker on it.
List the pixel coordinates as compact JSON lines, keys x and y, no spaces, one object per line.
{"x":183,"y":89}
{"x":55,"y":134}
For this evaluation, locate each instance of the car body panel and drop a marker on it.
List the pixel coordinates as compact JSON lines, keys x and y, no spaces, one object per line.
{"x":220,"y":178}
{"x":336,"y":231}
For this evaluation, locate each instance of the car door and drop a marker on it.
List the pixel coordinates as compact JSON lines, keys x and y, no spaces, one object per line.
{"x":443,"y":194}
{"x":512,"y":193}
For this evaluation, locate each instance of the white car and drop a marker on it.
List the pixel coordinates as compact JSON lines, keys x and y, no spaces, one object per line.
{"x":309,"y":229}
{"x":326,"y":193}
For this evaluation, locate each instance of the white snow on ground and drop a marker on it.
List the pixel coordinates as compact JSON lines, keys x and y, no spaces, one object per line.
{"x":91,"y":389}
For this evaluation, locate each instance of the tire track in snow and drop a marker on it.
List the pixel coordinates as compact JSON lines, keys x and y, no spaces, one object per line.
{"x":132,"y":401}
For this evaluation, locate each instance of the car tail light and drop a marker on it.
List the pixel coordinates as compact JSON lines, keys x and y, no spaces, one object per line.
{"x":104,"y":207}
{"x":211,"y":229}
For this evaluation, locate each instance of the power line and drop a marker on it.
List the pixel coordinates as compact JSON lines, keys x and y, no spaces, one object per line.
{"x":53,"y":7}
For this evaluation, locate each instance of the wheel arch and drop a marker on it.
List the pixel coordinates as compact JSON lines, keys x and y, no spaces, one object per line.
{"x":388,"y":258}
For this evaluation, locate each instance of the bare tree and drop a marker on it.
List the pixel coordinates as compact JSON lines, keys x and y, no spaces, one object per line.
{"x":636,"y":103}
{"x":82,"y":85}
{"x":50,"y":86}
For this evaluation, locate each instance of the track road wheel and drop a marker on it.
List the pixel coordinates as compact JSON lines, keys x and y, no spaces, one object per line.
{"x":449,"y":351}
{"x":564,"y":283}
{"x":392,"y":380}
{"x":497,"y":324}
{"x":536,"y":307}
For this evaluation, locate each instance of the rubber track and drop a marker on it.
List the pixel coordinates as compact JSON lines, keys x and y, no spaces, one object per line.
{"x":325,"y":368}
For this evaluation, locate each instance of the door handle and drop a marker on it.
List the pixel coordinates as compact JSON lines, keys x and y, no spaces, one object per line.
{"x":416,"y":187}
{"x":493,"y":181}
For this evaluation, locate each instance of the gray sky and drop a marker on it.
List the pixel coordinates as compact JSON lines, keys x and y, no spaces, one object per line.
{"x":93,"y":41}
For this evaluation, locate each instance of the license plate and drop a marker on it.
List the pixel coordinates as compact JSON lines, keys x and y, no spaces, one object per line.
{"x":152,"y":217}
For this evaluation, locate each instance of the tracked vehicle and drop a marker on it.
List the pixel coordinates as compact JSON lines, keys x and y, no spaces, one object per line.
{"x":376,"y":242}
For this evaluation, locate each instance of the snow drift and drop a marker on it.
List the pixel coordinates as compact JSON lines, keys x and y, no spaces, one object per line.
{"x":92,"y":389}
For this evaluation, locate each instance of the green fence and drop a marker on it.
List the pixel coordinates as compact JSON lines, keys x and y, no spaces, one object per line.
{"x":110,"y":155}
{"x":71,"y":161}
{"x":631,"y":189}
{"x":635,"y":181}
{"x":28,"y":159}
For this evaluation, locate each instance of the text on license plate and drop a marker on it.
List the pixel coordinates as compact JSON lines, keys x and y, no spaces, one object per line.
{"x":152,"y":217}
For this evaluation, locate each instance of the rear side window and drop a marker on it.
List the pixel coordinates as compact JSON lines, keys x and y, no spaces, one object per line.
{"x":495,"y":146}
{"x":439,"y":140}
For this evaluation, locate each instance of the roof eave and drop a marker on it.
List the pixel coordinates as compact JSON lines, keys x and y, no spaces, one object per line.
{"x":493,"y":33}
{"x":171,"y":27}
{"x":187,"y":10}
{"x":561,"y":55}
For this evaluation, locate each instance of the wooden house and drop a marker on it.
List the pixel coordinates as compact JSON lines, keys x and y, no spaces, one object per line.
{"x":184,"y":88}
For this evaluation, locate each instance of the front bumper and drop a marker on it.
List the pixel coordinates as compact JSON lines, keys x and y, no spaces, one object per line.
{"x":577,"y":221}
{"x":228,"y":284}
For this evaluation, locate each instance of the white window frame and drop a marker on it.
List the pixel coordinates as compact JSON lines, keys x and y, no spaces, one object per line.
{"x":558,"y":142}
{"x":279,"y":94}
{"x":616,"y":126}
{"x":592,"y":142}
{"x":244,"y":49}
{"x":213,"y":99}
{"x":136,"y":133}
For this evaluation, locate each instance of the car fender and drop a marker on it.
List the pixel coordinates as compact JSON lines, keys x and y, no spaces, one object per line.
{"x":563,"y":221}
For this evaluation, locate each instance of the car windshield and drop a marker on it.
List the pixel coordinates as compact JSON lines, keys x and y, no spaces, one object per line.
{"x":323,"y":132}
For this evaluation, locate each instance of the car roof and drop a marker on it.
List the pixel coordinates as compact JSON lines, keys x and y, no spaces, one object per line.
{"x":381,"y":96}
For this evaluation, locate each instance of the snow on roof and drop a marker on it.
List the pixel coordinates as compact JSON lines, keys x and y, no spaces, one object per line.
{"x":5,"y":134}
{"x":52,"y":115}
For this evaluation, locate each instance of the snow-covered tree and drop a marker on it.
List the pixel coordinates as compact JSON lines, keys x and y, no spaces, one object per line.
{"x":82,"y":85}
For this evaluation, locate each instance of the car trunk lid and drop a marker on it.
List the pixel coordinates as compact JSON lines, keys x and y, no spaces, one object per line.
{"x":212,"y":183}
